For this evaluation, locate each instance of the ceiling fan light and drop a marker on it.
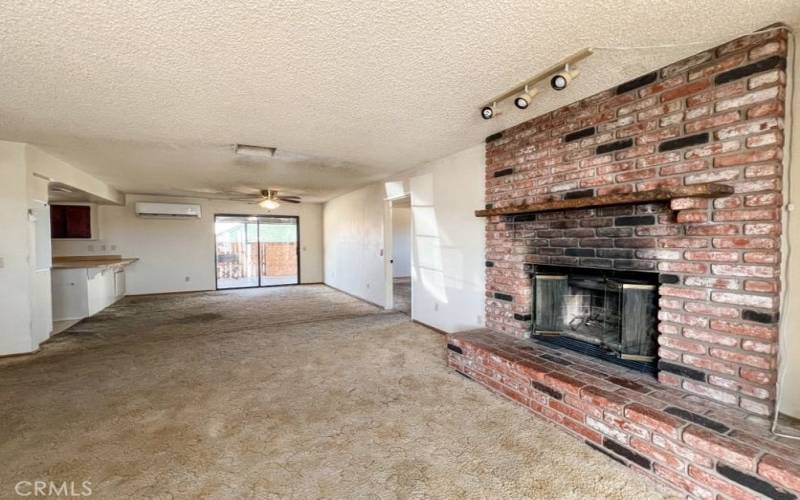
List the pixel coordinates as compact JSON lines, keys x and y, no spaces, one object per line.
{"x":269,"y":204}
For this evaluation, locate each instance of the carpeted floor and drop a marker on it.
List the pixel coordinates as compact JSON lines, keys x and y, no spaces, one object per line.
{"x":299,"y":392}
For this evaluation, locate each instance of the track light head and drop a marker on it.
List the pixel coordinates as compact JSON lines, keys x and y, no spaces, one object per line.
{"x":523,"y":100}
{"x":487,"y":112}
{"x":563,"y":78}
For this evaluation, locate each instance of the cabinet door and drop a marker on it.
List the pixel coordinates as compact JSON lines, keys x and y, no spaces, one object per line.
{"x":119,"y":283}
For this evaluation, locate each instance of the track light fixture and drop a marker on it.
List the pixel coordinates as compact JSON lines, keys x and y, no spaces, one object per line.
{"x":488,"y":112}
{"x":559,"y":74}
{"x":523,"y":100}
{"x":561,"y":79}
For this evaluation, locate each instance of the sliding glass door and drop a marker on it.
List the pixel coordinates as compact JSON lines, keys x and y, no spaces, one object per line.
{"x":253,"y":251}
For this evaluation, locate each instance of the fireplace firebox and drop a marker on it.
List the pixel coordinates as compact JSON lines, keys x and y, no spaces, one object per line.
{"x":608,"y":314}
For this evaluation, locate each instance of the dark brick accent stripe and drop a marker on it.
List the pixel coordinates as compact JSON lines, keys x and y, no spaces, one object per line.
{"x":547,"y":390}
{"x":698,"y":419}
{"x":760,"y":317}
{"x":637,"y":82}
{"x":580,"y":134}
{"x":505,"y":171}
{"x":503,"y":296}
{"x":489,"y":263}
{"x":494,"y":137}
{"x":489,"y":205}
{"x":605,"y":452}
{"x":522,"y":317}
{"x":626,"y":452}
{"x":669,"y":278}
{"x":455,"y":348}
{"x":682,"y":142}
{"x":579,"y":252}
{"x":753,"y":483}
{"x":584,"y":193}
{"x":635,"y":220}
{"x":614,"y":146}
{"x":682,"y":371}
{"x":751,"y":69}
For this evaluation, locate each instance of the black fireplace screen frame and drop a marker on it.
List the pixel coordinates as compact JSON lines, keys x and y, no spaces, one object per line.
{"x":608,"y":314}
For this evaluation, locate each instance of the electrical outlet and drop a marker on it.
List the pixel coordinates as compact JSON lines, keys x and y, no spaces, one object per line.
{"x":436,"y":306}
{"x":188,"y":279}
{"x":113,"y":247}
{"x":91,"y":248}
{"x":367,"y":285}
{"x":102,"y":248}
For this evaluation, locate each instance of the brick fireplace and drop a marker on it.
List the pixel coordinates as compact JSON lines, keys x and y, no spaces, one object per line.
{"x":715,"y":117}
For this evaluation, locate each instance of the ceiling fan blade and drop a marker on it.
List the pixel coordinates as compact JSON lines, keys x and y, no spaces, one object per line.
{"x":289,"y":200}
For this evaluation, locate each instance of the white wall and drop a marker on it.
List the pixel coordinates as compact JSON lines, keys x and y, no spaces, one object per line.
{"x":353,"y":239}
{"x":448,"y":273}
{"x":170,"y":251}
{"x":15,"y":271}
{"x":447,"y":261}
{"x":401,"y":241}
{"x":789,"y":398}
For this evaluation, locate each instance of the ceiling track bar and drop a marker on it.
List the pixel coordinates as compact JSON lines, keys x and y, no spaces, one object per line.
{"x":560,"y":65}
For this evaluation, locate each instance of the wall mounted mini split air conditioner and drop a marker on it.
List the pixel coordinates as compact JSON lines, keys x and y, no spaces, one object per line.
{"x":168,"y":210}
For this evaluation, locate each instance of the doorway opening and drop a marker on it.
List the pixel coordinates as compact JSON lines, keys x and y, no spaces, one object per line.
{"x":401,"y":254}
{"x":256,"y":251}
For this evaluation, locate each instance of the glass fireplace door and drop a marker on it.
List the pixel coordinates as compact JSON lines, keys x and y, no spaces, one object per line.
{"x":613,"y":314}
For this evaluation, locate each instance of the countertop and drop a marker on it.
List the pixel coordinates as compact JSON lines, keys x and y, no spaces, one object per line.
{"x":94,"y":261}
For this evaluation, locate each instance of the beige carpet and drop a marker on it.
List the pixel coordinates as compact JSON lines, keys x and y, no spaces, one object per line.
{"x":297,"y":392}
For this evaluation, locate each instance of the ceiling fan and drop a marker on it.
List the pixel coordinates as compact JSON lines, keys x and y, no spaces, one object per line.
{"x":269,"y":199}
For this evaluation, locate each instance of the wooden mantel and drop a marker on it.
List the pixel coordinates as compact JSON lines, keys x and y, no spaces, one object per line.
{"x":708,"y":190}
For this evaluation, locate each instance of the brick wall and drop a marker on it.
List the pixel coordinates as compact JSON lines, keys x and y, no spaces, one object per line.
{"x":714,"y":117}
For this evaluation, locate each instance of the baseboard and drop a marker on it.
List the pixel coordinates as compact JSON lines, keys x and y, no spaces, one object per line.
{"x":354,"y":296}
{"x":437,"y":330}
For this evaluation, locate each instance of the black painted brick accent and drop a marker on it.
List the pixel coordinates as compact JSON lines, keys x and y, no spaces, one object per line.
{"x":626,"y":452}
{"x":494,"y":137}
{"x":669,"y":278}
{"x":523,"y":218}
{"x":503,"y":296}
{"x":615,"y":253}
{"x":455,"y":348}
{"x":682,"y":142}
{"x":698,"y":419}
{"x":750,"y":69}
{"x":753,"y":483}
{"x":522,"y":317}
{"x":547,"y":390}
{"x":579,"y":252}
{"x":489,"y":263}
{"x":635,"y":220}
{"x":681,"y":370}
{"x":760,"y":317}
{"x":605,"y":452}
{"x":506,"y":171}
{"x":580,"y":134}
{"x":583,"y":193}
{"x":637,"y":82}
{"x":614,"y":146}
{"x":555,"y":359}
{"x":489,"y":205}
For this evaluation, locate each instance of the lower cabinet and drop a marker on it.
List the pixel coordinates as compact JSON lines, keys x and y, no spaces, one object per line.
{"x":78,"y":293}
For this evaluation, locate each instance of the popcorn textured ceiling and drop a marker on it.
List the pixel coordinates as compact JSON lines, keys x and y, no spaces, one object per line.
{"x":150,"y":95}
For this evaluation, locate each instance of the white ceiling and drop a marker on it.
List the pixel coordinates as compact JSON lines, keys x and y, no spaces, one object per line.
{"x":149,"y":95}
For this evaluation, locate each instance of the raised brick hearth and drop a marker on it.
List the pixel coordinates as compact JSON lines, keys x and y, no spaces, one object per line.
{"x":714,"y":117}
{"x":687,"y":442}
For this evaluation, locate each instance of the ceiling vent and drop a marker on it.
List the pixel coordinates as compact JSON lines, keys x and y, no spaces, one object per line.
{"x":260,"y":151}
